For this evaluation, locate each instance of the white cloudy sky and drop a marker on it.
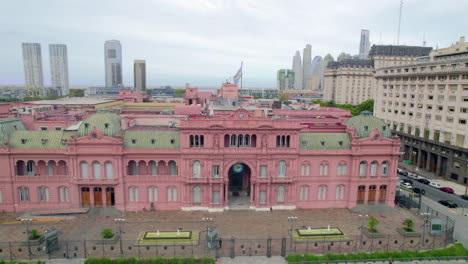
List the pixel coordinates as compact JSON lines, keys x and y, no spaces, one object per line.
{"x":204,"y":41}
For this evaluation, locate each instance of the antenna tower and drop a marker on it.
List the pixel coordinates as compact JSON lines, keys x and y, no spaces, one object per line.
{"x":399,"y":22}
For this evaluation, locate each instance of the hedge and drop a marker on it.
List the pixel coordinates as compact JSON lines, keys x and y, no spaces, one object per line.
{"x":150,"y":261}
{"x":452,"y":251}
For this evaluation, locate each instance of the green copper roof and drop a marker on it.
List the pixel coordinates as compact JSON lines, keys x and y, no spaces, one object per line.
{"x":366,"y":122}
{"x":8,"y":126}
{"x":152,"y":139}
{"x":108,"y":123}
{"x":39,"y":139}
{"x":324,"y":141}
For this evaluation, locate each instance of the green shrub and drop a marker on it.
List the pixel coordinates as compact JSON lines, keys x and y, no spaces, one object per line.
{"x":34,"y":234}
{"x":372,"y":223}
{"x":408,"y":225}
{"x":107,"y":233}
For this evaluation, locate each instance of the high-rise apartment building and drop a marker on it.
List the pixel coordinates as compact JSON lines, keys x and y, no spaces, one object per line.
{"x":113,"y":62}
{"x":297,"y":69}
{"x":32,"y":61}
{"x":426,"y":104}
{"x":285,"y":80}
{"x":139,"y":75}
{"x":306,"y":65}
{"x":59,"y":67}
{"x":364,"y":45}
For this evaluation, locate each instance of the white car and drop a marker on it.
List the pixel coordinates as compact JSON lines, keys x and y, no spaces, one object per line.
{"x":413,"y":175}
{"x":406,"y":185}
{"x":434,"y":184}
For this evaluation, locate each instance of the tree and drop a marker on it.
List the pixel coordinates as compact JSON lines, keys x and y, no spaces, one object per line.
{"x":107,"y":233}
{"x":331,"y":104}
{"x":34,"y":234}
{"x":180,"y":93}
{"x":372,"y":223}
{"x":283,"y":97}
{"x":76,"y":92}
{"x":408,"y":225}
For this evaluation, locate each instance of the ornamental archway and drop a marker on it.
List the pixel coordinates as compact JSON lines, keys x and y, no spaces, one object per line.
{"x":239,"y":185}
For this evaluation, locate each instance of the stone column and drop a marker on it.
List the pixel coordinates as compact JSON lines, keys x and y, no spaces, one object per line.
{"x":410,"y":154}
{"x":366,"y":194}
{"x":428,"y":161}
{"x":221,"y":194}
{"x":439,"y":165}
{"x":210,"y":195}
{"x":418,"y":163}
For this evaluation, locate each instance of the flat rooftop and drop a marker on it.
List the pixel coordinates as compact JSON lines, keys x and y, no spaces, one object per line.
{"x":72,"y":101}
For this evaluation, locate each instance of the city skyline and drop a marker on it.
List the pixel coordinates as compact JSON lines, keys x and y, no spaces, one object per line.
{"x":59,"y":67}
{"x":211,"y":35}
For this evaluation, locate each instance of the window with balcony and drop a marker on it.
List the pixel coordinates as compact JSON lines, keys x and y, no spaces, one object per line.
{"x":197,"y":141}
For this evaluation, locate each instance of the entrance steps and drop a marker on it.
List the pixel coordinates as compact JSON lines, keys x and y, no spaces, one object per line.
{"x":374,"y":209}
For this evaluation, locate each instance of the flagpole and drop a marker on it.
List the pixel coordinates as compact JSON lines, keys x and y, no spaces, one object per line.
{"x":242,"y":73}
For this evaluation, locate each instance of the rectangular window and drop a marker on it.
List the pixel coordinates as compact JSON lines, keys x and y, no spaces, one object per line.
{"x":263,"y":171}
{"x":263,"y":195}
{"x":215,"y":171}
{"x":43,"y":128}
{"x":215,"y":197}
{"x":23,"y":194}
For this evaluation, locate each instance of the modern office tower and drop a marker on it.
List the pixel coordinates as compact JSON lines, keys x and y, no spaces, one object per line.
{"x":285,"y":80}
{"x":139,"y":75}
{"x":306,"y":64}
{"x":113,"y":61}
{"x":32,"y":60}
{"x":364,"y":45}
{"x":297,"y":69}
{"x":59,"y":67}
{"x":426,"y":104}
{"x":316,"y":75}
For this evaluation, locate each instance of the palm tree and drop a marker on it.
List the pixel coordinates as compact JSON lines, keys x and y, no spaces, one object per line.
{"x":408,"y":225}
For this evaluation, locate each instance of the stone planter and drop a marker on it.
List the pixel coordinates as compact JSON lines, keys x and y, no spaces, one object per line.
{"x":35,"y":242}
{"x":370,"y":234}
{"x":407,"y":234}
{"x":112,"y":240}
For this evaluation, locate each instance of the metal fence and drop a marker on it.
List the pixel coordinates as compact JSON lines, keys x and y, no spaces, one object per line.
{"x":229,"y":247}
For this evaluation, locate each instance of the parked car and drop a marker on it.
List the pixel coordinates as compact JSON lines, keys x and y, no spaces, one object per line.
{"x":421,"y":191}
{"x":464,"y":197}
{"x":446,"y":189}
{"x":448,"y":203}
{"x":408,"y":181}
{"x":434,"y":184}
{"x":412,"y":175}
{"x":402,"y":172}
{"x":406,"y":185}
{"x":424,"y":181}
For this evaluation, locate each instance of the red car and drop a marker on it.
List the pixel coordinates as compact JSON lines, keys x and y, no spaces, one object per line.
{"x":446,"y":189}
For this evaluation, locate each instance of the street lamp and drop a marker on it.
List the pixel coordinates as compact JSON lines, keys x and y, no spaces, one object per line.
{"x":363,"y":220}
{"x":120,"y":222}
{"x":207,"y":221}
{"x":27,"y":223}
{"x":426,"y":217}
{"x":292,"y":220}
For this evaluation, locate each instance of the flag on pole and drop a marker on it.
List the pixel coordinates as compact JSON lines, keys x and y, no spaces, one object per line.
{"x":238,"y":75}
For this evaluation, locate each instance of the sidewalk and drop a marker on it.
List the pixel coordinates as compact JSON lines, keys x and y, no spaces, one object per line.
{"x":458,"y":188}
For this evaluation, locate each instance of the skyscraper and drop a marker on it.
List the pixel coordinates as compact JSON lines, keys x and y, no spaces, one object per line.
{"x":306,"y":65}
{"x":364,"y":46}
{"x":59,"y":67}
{"x":297,"y":69}
{"x":139,"y":75}
{"x":113,"y":61}
{"x":285,"y":80}
{"x":32,"y":60}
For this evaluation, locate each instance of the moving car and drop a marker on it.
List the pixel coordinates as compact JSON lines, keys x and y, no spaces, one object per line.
{"x":424,"y":181}
{"x":448,"y":203}
{"x":408,"y":181}
{"x":417,"y":190}
{"x":446,"y":189}
{"x":402,"y":172}
{"x":464,"y":197}
{"x":406,"y":185}
{"x":434,"y":184}
{"x":412,"y":175}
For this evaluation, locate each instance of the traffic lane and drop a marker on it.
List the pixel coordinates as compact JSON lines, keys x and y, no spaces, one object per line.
{"x":436,"y":194}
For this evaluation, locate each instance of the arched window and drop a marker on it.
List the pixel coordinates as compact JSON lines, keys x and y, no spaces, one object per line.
{"x":43,"y":194}
{"x":23,"y":194}
{"x":64,"y":194}
{"x":196,"y":195}
{"x":30,"y":168}
{"x":196,"y":169}
{"x":50,"y":168}
{"x":202,"y":141}
{"x":173,"y":168}
{"x":197,"y":141}
{"x":132,"y":168}
{"x":247,"y":141}
{"x":280,"y":194}
{"x":305,"y":169}
{"x":171,"y":193}
{"x":385,"y":168}
{"x":84,"y":170}
{"x":282,"y":168}
{"x":323,"y":169}
{"x":278,"y":141}
{"x":288,"y":139}
{"x":97,"y":170}
{"x":304,"y":193}
{"x":340,"y":189}
{"x":134,"y":194}
{"x":152,"y":194}
{"x":109,"y":170}
{"x":322,"y":192}
{"x":191,"y":141}
{"x":233,"y":140}
{"x":362,"y":169}
{"x":342,"y":169}
{"x":373,"y":168}
{"x":154,"y":168}
{"x":240,"y":141}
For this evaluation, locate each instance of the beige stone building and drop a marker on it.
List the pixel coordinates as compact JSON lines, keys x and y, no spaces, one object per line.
{"x":426,"y":104}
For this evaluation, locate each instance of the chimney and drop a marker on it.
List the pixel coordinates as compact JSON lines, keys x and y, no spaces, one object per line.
{"x":462,"y":40}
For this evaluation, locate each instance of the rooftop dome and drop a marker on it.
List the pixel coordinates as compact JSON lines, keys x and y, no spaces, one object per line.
{"x":366,"y":122}
{"x":108,"y":123}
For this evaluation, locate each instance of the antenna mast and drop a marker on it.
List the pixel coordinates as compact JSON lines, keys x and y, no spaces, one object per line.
{"x":399,"y":23}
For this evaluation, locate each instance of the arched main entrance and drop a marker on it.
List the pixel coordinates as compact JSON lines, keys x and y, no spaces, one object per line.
{"x":239,"y":186}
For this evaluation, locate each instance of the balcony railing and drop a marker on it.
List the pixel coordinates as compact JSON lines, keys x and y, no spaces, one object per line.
{"x":192,"y":179}
{"x":96,"y":180}
{"x":41,"y":178}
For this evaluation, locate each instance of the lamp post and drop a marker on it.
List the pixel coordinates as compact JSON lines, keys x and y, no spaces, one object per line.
{"x":120,"y":222}
{"x":207,"y":221}
{"x":363,"y":220}
{"x":292,"y":220}
{"x":426,"y":217}
{"x":27,"y":223}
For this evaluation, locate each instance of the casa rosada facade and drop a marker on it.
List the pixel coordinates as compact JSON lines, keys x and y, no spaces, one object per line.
{"x":204,"y":163}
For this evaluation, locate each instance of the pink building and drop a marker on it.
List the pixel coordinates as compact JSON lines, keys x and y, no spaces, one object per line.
{"x":236,"y":160}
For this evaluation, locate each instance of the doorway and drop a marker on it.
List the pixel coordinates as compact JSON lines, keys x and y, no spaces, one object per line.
{"x":85,"y":201}
{"x":97,"y":197}
{"x":110,"y":197}
{"x":361,"y":194}
{"x":372,"y":192}
{"x":239,"y":186}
